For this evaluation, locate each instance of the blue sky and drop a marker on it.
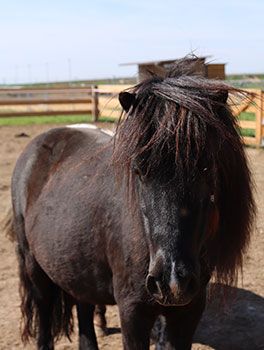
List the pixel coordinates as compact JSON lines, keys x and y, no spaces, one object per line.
{"x":57,"y":39}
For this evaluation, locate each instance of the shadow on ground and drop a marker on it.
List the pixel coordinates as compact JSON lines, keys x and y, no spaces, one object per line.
{"x":233,"y":320}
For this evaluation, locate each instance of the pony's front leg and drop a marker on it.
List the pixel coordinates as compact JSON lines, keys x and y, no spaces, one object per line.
{"x":136,"y":323}
{"x":181,"y":323}
{"x":87,"y":336}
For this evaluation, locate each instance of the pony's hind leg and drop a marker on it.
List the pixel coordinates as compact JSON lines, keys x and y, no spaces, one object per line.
{"x":87,"y":336}
{"x":100,"y":320}
{"x":44,"y":307}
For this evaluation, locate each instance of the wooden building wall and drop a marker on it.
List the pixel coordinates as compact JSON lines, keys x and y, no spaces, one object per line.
{"x":211,"y":71}
{"x":215,"y":71}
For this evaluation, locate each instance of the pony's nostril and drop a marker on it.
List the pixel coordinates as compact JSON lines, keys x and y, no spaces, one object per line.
{"x":153,"y":286}
{"x":193,"y":284}
{"x":188,"y":282}
{"x":184,"y":279}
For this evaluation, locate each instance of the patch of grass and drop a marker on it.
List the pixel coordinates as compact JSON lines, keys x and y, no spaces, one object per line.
{"x":75,"y":119}
{"x":55,"y":119}
{"x":251,"y":117}
{"x":247,"y":116}
{"x":248,"y":132}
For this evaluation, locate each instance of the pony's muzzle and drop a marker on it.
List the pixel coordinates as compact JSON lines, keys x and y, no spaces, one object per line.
{"x":178,"y":291}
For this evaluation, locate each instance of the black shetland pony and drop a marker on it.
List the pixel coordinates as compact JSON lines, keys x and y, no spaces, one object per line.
{"x":143,"y":220}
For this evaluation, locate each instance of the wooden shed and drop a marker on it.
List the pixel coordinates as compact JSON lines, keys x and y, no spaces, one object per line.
{"x":209,"y":70}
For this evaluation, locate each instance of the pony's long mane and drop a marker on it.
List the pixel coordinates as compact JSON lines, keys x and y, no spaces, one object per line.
{"x":187,"y":117}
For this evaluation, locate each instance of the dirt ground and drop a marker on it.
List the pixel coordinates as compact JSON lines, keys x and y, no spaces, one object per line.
{"x":236,"y":325}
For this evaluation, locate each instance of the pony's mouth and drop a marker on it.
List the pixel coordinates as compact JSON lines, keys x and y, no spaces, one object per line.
{"x":173,"y":294}
{"x":169,"y":300}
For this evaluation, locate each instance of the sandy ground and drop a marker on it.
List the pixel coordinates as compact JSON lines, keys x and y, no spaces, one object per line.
{"x":236,"y":325}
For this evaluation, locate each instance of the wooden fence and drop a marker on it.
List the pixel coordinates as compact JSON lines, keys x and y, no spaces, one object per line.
{"x":48,"y":101}
{"x":103,"y":101}
{"x":250,"y":115}
{"x":16,"y":102}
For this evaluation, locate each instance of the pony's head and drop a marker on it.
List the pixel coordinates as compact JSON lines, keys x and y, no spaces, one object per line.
{"x":180,"y":151}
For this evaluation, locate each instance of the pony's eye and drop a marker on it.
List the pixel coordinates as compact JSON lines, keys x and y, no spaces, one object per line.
{"x":184,"y":212}
{"x":137,"y":172}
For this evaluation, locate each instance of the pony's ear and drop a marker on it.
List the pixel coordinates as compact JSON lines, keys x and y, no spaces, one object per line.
{"x":126,"y":100}
{"x":222,"y":96}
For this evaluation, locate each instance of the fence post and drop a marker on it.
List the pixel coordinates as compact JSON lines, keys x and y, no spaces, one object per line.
{"x":95,"y":109}
{"x":259,"y":119}
{"x":262,"y":118}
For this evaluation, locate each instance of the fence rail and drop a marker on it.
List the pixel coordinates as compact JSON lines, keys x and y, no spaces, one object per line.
{"x":103,"y":101}
{"x":46,"y":101}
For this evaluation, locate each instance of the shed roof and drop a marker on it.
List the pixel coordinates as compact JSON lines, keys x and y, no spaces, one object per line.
{"x":161,"y":62}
